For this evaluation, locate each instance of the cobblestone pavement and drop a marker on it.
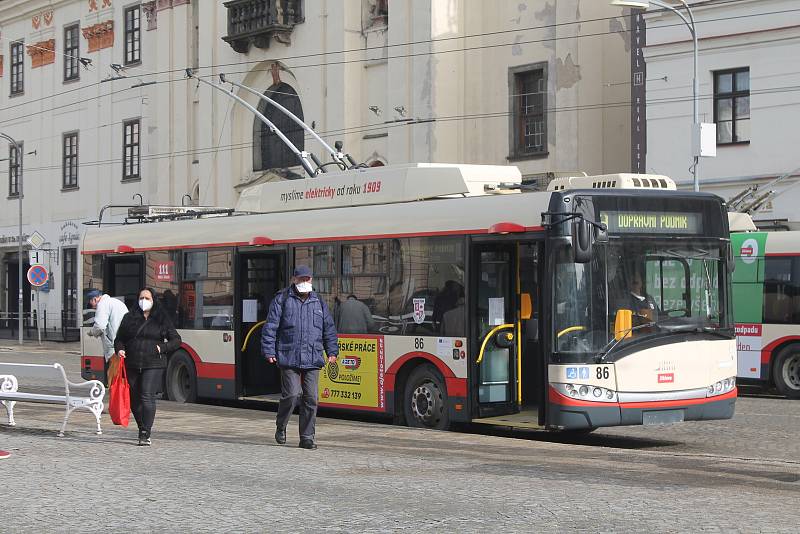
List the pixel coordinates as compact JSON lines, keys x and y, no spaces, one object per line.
{"x":216,"y":468}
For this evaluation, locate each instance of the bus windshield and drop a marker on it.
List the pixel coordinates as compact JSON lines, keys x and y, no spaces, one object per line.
{"x":668,"y":285}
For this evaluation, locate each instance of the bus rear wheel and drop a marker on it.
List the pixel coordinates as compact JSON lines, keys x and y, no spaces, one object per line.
{"x":425,"y":399}
{"x":181,"y":379}
{"x":786,"y":371}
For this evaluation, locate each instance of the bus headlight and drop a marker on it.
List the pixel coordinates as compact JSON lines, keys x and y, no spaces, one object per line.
{"x":584,"y":392}
{"x":721,"y":387}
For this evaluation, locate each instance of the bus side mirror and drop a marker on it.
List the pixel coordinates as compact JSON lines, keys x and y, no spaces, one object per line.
{"x":623,"y":324}
{"x":582,"y":241}
{"x":525,"y":307}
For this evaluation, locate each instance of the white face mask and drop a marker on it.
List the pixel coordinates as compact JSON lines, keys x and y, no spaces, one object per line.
{"x":145,"y":304}
{"x":303,"y":287}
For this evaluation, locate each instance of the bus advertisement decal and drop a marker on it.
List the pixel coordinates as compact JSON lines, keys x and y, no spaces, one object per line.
{"x":356,"y":378}
{"x":748,"y":345}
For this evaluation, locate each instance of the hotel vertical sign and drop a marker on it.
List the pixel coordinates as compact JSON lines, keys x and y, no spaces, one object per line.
{"x":638,"y":93}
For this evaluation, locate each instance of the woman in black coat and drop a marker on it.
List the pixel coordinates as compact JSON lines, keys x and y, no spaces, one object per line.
{"x":146,"y":338}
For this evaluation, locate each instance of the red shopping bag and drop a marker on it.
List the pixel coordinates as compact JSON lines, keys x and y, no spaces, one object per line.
{"x":119,"y":408}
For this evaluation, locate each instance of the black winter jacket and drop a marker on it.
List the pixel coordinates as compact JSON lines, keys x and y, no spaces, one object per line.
{"x":139,"y":338}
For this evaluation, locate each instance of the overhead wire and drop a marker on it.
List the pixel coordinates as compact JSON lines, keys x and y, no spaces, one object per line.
{"x":384,"y":126}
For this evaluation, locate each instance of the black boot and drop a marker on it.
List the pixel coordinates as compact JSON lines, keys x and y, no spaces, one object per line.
{"x":144,"y":438}
{"x":280,"y":436}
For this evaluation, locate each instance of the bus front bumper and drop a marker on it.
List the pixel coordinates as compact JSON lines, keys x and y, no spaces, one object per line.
{"x":565,"y":413}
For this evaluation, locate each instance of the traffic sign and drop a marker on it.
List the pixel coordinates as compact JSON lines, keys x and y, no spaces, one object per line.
{"x":36,"y":239}
{"x":36,"y":257}
{"x":37,"y":275}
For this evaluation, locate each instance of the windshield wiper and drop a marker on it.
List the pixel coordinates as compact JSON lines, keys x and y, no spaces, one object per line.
{"x":613,"y":344}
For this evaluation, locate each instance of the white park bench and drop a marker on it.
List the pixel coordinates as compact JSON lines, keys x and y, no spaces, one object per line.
{"x":91,"y":399}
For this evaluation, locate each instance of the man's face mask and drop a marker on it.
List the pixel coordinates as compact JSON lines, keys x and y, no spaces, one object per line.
{"x":303,"y":287}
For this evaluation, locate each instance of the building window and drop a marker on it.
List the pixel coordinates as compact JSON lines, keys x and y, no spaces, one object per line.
{"x":72,"y":53}
{"x":732,"y":106}
{"x":17,"y":68}
{"x":130,"y":150}
{"x":528,"y":87}
{"x":14,"y":170}
{"x":133,"y":36}
{"x":70,"y":287}
{"x":269,"y":152}
{"x":70,"y":162}
{"x":378,"y":12}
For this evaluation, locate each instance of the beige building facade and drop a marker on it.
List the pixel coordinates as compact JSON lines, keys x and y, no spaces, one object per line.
{"x":96,"y":91}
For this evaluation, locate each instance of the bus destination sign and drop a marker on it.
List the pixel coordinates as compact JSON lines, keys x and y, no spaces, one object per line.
{"x":652,"y":222}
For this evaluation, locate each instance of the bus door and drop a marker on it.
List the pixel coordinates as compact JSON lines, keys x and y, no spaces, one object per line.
{"x":494,"y":328}
{"x":530,"y":390}
{"x":125,"y":277}
{"x":260,"y":277}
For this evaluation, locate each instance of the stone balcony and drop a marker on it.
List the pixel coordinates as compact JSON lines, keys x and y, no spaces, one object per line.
{"x":256,"y":22}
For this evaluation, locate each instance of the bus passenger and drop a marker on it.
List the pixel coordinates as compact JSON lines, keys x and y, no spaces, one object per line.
{"x":145,"y":339}
{"x":354,"y":317}
{"x":298,"y":325}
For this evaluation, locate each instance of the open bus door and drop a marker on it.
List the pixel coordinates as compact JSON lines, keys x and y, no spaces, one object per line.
{"x":494,"y":330}
{"x":260,"y":277}
{"x":125,"y":277}
{"x":507,"y":358}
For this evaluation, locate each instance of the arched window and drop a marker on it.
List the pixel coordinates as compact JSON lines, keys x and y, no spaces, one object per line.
{"x":269,"y":152}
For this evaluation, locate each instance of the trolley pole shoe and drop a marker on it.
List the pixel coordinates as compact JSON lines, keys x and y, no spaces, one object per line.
{"x":4,"y":455}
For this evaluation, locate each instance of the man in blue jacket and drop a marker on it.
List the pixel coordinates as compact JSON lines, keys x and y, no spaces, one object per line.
{"x":297,"y":328}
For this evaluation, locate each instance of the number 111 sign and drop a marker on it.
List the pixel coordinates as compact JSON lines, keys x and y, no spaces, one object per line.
{"x":165,"y":271}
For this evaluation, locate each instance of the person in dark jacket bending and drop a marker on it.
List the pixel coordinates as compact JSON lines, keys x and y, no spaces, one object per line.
{"x":146,"y":338}
{"x":298,"y":325}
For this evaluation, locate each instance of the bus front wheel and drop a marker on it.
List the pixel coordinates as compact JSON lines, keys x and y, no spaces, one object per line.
{"x":181,"y":380}
{"x":425,"y":399}
{"x":786,"y":372}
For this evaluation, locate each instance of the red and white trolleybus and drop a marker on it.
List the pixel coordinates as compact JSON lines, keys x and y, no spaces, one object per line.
{"x":487,"y":302}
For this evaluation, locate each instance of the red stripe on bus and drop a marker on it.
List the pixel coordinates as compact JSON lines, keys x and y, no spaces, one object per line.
{"x":319,"y":239}
{"x":557,"y":398}
{"x":781,"y":254}
{"x":390,"y":375}
{"x":221,"y":371}
{"x":96,"y":363}
{"x":766,"y":352}
{"x":456,"y":387}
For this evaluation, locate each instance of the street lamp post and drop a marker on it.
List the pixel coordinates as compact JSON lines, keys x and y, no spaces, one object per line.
{"x":18,"y":155}
{"x":644,"y":4}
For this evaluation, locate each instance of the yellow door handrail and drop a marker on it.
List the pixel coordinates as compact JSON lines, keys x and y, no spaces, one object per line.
{"x":489,"y":335}
{"x":570,"y":329}
{"x":247,"y":337}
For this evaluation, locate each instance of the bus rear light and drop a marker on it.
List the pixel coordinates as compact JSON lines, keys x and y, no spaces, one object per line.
{"x":506,"y":228}
{"x":261,"y":240}
{"x":458,"y":343}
